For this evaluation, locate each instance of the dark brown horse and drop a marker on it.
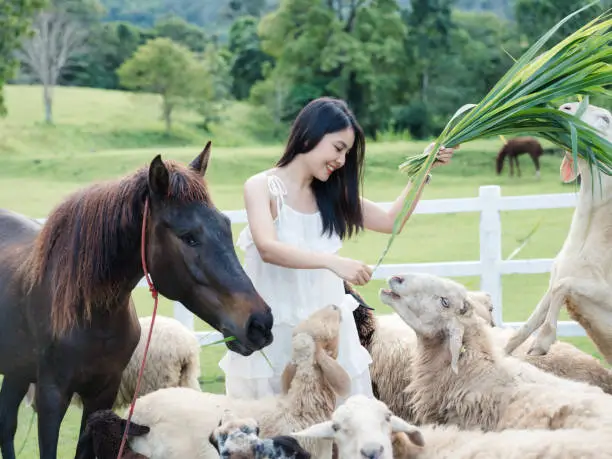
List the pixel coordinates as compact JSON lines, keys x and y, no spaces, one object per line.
{"x":67,"y":321}
{"x":515,"y":147}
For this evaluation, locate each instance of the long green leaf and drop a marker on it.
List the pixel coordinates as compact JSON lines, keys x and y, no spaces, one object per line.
{"x":521,"y":103}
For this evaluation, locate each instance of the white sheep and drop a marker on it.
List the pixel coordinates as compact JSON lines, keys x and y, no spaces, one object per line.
{"x":238,"y":438}
{"x":362,"y":428}
{"x":580,"y":277}
{"x":391,"y":343}
{"x":181,"y":420}
{"x":364,"y":421}
{"x":460,"y":377}
{"x":173,"y":360}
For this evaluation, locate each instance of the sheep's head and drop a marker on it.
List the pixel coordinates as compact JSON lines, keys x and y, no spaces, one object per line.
{"x":238,"y":438}
{"x":597,"y":117}
{"x":104,"y":430}
{"x":434,"y":307}
{"x":315,"y":348}
{"x":324,"y":327}
{"x":235,"y":438}
{"x":483,"y":305}
{"x":362,"y":428}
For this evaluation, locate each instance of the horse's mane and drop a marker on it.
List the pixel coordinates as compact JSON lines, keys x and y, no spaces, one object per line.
{"x":90,"y":244}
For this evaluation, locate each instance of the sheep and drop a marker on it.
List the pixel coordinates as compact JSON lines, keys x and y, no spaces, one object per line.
{"x":390,"y":342}
{"x":367,"y":421}
{"x":104,"y":429}
{"x":580,"y":278}
{"x":362,"y":428}
{"x":311,"y":383}
{"x":238,"y":438}
{"x":173,"y":360}
{"x":563,"y":359}
{"x":460,"y":377}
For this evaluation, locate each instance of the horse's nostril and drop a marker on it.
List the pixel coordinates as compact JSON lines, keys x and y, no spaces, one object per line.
{"x":259,"y":328}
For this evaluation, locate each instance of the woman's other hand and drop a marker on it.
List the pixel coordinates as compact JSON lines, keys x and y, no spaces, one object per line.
{"x":353,"y":271}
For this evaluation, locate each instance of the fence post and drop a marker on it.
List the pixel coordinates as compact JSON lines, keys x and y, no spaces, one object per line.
{"x":490,"y":247}
{"x":183,"y":315}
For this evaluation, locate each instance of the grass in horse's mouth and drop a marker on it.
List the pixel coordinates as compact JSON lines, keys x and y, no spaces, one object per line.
{"x":232,"y":338}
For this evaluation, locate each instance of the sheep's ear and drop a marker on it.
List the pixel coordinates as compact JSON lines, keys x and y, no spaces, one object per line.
{"x":323,"y":429}
{"x":212,"y":439}
{"x":135,"y":430}
{"x":414,"y":434}
{"x":336,"y":376}
{"x":455,"y":343}
{"x":567,"y":170}
{"x":287,"y":376}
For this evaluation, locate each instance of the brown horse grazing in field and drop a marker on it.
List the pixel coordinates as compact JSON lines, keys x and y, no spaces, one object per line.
{"x":67,"y":321}
{"x":515,"y":147}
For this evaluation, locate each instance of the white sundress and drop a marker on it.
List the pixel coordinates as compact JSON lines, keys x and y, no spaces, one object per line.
{"x":294,"y":294}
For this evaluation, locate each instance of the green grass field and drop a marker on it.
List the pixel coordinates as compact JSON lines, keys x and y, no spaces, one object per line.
{"x":34,"y":178}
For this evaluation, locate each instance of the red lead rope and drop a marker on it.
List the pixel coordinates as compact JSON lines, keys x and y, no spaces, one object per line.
{"x":154,"y":295}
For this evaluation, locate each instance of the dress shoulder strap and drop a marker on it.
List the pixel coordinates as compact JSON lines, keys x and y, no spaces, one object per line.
{"x":278,"y":190}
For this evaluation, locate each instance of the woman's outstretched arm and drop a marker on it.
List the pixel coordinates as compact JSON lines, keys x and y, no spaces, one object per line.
{"x":271,"y":250}
{"x":375,"y":218}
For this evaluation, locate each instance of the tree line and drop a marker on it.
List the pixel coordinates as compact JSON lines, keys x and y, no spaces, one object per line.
{"x":402,"y":65}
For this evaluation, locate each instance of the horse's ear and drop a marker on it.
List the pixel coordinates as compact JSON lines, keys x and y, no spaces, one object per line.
{"x":200,"y":162}
{"x":159,"y":179}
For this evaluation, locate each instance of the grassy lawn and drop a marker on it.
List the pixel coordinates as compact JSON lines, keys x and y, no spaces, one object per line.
{"x":33,"y":179}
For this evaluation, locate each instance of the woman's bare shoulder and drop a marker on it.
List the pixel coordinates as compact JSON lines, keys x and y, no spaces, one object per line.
{"x":258,"y":181}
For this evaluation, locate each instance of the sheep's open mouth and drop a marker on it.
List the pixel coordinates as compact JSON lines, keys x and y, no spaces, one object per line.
{"x":390,"y":293}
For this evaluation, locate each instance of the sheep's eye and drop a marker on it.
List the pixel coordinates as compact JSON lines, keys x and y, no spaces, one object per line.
{"x":491,"y":309}
{"x":388,"y":417}
{"x":335,"y":427}
{"x":444,"y":302}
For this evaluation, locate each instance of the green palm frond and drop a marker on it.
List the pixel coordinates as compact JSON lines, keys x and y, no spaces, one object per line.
{"x":521,"y":103}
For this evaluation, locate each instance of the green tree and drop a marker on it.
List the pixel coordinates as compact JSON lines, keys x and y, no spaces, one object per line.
{"x":109,"y":45}
{"x":352,"y":51}
{"x":180,"y":31}
{"x":15,"y":21}
{"x":247,"y":56}
{"x":163,"y":67}
{"x":212,"y":85}
{"x":535,"y":17}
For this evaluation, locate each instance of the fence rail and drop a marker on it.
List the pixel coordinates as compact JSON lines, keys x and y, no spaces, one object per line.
{"x":489,"y":267}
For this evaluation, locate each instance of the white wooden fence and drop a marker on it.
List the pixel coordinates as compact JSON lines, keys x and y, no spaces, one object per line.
{"x":490,"y":267}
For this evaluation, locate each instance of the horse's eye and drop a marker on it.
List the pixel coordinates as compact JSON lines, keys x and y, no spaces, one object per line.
{"x":444,"y":302}
{"x":188,"y":239}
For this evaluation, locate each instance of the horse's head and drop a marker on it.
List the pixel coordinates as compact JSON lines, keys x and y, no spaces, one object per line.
{"x":191,"y":255}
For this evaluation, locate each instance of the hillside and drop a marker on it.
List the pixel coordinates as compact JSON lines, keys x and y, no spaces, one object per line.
{"x":89,"y":119}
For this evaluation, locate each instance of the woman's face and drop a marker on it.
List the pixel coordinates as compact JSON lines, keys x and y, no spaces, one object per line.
{"x":330,"y":153}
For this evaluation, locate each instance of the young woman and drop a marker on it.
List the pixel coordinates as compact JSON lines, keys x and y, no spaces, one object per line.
{"x":298,"y":214}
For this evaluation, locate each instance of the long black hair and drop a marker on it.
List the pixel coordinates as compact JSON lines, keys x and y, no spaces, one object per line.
{"x":338,"y":197}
